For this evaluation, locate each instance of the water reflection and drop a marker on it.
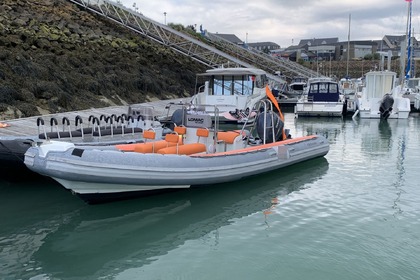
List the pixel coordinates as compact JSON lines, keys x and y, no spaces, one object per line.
{"x":386,"y":140}
{"x":30,"y":212}
{"x":400,"y":180}
{"x":378,"y":136}
{"x":330,"y":128}
{"x":103,"y":240}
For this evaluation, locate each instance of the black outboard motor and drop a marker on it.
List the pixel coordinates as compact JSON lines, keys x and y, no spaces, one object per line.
{"x":385,"y":108}
{"x":270,"y":118}
{"x":177,"y":117}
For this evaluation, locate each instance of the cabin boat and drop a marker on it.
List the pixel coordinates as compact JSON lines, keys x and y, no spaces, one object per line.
{"x":381,"y":99}
{"x":298,"y":84}
{"x":349,"y":88}
{"x":235,"y":92}
{"x":322,"y":99}
{"x":297,"y":87}
{"x":199,"y":153}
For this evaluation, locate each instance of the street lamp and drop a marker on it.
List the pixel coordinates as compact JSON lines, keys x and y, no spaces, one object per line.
{"x":164,"y":14}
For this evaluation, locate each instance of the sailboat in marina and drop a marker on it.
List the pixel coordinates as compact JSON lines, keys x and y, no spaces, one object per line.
{"x":383,"y":94}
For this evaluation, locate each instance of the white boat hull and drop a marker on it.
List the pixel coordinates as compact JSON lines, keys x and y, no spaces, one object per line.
{"x":370,"y":110}
{"x":319,"y":109}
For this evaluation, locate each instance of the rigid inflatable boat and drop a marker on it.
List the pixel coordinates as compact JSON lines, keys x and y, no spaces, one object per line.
{"x":196,"y":153}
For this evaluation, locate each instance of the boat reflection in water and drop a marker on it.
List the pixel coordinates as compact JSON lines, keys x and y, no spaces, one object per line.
{"x":30,"y":212}
{"x":105,"y":240}
{"x":330,"y":128}
{"x":379,"y":136}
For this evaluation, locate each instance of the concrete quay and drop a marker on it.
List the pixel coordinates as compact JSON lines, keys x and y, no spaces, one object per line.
{"x":28,"y":126}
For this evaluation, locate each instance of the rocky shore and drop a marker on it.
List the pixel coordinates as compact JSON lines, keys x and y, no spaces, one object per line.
{"x":56,"y":57}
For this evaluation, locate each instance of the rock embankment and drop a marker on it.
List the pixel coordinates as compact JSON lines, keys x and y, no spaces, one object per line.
{"x":57,"y":57}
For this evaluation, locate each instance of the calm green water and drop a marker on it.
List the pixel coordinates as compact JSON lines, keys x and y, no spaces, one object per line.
{"x":351,"y":215}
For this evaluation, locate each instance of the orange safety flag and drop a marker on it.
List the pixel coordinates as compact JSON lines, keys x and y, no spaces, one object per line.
{"x":274,"y":101}
{"x":276,"y":104}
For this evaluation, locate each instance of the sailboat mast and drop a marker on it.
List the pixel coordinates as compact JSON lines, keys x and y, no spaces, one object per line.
{"x":348,"y":49}
{"x":405,"y":50}
{"x":408,"y":37}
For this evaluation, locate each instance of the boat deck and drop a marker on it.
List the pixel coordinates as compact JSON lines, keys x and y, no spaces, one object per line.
{"x":28,"y":126}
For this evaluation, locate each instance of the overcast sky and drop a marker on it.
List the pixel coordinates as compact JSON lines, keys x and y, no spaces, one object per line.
{"x":286,"y":22}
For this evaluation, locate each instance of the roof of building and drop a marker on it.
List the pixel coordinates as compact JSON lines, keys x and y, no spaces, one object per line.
{"x":318,"y":41}
{"x":263,"y":44}
{"x":231,"y":38}
{"x":360,"y":42}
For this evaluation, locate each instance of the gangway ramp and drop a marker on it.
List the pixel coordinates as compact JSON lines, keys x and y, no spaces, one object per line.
{"x":270,"y":64}
{"x":211,"y":56}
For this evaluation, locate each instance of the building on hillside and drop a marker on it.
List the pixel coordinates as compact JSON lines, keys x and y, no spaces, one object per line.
{"x":316,"y":49}
{"x":318,"y":41}
{"x":396,"y":43}
{"x":296,"y":53}
{"x":266,"y":47}
{"x":355,"y":50}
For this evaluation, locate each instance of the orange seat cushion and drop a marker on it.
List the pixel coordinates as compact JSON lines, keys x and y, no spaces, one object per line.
{"x":148,"y":147}
{"x":126,"y":147}
{"x":181,"y":130}
{"x":149,"y":134}
{"x":151,"y":147}
{"x":186,"y":149}
{"x":227,"y":136}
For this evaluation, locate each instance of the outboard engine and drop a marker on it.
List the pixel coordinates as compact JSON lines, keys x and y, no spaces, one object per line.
{"x":270,"y":119}
{"x":385,"y":108}
{"x":177,"y":117}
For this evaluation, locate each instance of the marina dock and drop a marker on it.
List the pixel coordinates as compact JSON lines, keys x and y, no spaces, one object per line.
{"x":28,"y":126}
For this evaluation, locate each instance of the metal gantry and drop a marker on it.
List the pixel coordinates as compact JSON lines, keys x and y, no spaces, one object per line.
{"x":220,"y":53}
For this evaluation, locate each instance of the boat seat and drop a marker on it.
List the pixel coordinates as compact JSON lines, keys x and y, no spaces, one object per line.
{"x":227,"y":137}
{"x":188,"y":149}
{"x":149,"y":134}
{"x":150,"y":146}
{"x":181,"y":130}
{"x":202,"y":133}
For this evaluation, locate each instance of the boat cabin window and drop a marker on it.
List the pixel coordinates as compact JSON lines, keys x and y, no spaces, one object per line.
{"x":323,"y":88}
{"x":236,"y":85}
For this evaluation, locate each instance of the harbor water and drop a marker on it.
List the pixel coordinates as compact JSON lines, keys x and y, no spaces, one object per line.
{"x":354,"y":214}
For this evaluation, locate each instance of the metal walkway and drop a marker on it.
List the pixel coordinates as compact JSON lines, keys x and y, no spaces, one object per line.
{"x":223,"y":52}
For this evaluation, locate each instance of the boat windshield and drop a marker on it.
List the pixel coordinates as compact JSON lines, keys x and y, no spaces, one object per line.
{"x":234,"y":85}
{"x":323,"y":88}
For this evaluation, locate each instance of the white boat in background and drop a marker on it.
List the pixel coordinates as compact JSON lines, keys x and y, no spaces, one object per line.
{"x":235,"y":92}
{"x":349,"y":88}
{"x":298,"y":84}
{"x":322,"y":99}
{"x":297,"y":87}
{"x":381,"y":99}
{"x":192,"y":155}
